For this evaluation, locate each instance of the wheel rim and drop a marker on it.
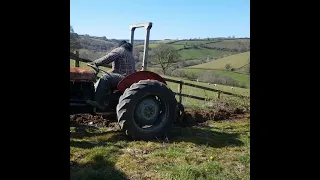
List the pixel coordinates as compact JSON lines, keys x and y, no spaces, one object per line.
{"x":150,"y":112}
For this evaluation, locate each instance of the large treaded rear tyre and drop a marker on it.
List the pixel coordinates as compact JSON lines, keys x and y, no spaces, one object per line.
{"x":147,"y":110}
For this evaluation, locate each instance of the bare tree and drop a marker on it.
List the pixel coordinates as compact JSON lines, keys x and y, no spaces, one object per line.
{"x":228,"y":66}
{"x":164,"y":55}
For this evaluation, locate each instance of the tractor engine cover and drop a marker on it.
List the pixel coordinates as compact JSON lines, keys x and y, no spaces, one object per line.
{"x":81,"y":74}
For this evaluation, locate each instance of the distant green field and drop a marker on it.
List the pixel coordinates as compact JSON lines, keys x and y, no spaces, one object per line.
{"x":194,"y":52}
{"x":195,"y":42}
{"x":82,"y":64}
{"x":86,"y":51}
{"x":236,"y":61}
{"x":244,"y":70}
{"x":241,"y":78}
{"x":164,"y":41}
{"x":153,"y":45}
{"x":201,"y":53}
{"x":203,"y":93}
{"x":230,"y":44}
{"x":190,"y":90}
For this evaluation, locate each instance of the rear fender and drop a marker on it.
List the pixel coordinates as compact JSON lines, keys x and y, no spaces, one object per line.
{"x":136,"y":77}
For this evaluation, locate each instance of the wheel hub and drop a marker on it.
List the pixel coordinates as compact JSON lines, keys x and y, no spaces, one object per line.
{"x":147,"y":111}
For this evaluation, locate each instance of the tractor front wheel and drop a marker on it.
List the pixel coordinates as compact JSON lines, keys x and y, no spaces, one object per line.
{"x":147,"y":110}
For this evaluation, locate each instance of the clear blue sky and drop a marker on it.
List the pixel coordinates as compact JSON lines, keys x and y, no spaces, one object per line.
{"x":171,"y":19}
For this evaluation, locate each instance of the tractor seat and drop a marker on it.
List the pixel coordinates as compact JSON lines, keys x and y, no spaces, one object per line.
{"x":81,"y":74}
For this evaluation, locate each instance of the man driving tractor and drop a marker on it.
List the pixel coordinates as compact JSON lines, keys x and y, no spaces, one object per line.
{"x":123,"y":64}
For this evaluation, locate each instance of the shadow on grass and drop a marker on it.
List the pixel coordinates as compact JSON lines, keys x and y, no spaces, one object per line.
{"x":195,"y":134}
{"x":205,"y":136}
{"x":100,"y":167}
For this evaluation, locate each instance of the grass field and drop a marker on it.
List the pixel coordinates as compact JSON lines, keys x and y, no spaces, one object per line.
{"x":82,"y":64}
{"x":201,"y":53}
{"x":241,"y":78}
{"x":218,"y":150}
{"x":153,"y":45}
{"x":193,"y":53}
{"x":215,"y":150}
{"x":164,"y":41}
{"x":194,"y":42}
{"x":193,"y":91}
{"x":231,"y":44}
{"x":244,"y":70}
{"x":206,"y":94}
{"x":236,"y":61}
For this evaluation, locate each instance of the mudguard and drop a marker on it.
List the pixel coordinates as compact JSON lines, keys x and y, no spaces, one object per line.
{"x":136,"y":77}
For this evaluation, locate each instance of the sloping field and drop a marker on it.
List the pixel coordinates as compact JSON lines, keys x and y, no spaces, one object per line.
{"x":197,"y":53}
{"x":244,"y":70}
{"x":241,"y":78}
{"x":211,"y":150}
{"x":153,"y":45}
{"x":230,"y":44}
{"x":236,"y":61}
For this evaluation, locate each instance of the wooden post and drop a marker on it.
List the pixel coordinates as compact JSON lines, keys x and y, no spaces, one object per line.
{"x":219,"y":94}
{"x":180,"y":92}
{"x":77,"y":63}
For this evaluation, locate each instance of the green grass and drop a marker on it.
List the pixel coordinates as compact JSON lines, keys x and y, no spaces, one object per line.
{"x":108,"y":154}
{"x":201,"y":53}
{"x":194,"y":42}
{"x":165,"y":41}
{"x":230,"y":44}
{"x":236,"y":61}
{"x":153,"y":45}
{"x":190,"y":90}
{"x":241,"y":78}
{"x":82,"y":64}
{"x":235,"y":90}
{"x":244,"y":69}
{"x":204,"y":93}
{"x":193,"y":53}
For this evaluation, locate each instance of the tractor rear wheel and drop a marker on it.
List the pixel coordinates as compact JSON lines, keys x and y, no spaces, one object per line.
{"x":147,"y":110}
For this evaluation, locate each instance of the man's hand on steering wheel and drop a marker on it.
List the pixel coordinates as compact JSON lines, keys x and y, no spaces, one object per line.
{"x":93,"y":64}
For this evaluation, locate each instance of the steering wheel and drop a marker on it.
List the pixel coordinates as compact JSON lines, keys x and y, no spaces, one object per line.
{"x":96,"y":68}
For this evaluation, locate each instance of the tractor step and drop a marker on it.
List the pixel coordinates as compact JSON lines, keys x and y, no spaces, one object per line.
{"x":106,"y":113}
{"x":78,"y":104}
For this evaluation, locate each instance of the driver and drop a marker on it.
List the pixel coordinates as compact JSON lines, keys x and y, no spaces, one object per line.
{"x":123,"y":64}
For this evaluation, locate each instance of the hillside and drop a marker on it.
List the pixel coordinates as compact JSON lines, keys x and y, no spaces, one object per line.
{"x":205,"y":48}
{"x":199,"y":56}
{"x":244,"y":69}
{"x":209,"y":48}
{"x":242,"y":78}
{"x":236,"y":61}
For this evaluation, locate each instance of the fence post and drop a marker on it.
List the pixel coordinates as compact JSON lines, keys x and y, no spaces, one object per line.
{"x":180,"y":92}
{"x":77,"y":63}
{"x":219,"y":94}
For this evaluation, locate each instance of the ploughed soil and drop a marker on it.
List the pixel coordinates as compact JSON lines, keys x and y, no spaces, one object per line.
{"x":191,"y":117}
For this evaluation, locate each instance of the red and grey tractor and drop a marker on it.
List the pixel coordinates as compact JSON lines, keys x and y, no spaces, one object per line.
{"x":145,"y":106}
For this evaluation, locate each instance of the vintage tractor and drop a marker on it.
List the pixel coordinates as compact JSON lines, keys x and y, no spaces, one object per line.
{"x":145,"y":106}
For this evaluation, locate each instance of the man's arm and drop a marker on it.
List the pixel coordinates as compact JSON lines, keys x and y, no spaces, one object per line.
{"x":110,"y":57}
